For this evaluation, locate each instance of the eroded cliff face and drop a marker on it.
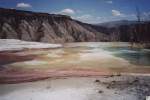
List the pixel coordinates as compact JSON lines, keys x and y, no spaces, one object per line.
{"x":43,"y":27}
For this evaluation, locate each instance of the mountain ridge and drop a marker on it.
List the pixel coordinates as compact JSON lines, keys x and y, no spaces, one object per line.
{"x":117,"y":23}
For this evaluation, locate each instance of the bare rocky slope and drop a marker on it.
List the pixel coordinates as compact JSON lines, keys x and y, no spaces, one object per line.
{"x":44,"y":27}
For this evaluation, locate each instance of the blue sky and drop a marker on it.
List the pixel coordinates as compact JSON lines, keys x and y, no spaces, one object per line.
{"x":90,"y":11}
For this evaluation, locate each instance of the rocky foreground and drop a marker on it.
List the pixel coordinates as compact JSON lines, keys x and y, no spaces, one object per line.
{"x":94,"y":88}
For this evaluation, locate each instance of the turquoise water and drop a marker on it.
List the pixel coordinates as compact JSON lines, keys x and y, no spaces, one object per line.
{"x":133,"y":55}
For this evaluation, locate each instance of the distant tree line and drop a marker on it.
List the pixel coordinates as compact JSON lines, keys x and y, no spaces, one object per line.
{"x":135,"y":33}
{"x":140,"y":32}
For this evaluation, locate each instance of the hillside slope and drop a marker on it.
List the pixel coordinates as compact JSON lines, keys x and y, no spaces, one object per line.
{"x":43,"y":27}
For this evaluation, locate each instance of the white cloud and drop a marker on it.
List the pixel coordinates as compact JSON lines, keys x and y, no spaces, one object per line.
{"x":116,"y":13}
{"x":23,"y":5}
{"x":79,"y":11}
{"x":85,"y":17}
{"x":110,"y":2}
{"x":147,"y":14}
{"x":67,"y":11}
{"x":99,"y":17}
